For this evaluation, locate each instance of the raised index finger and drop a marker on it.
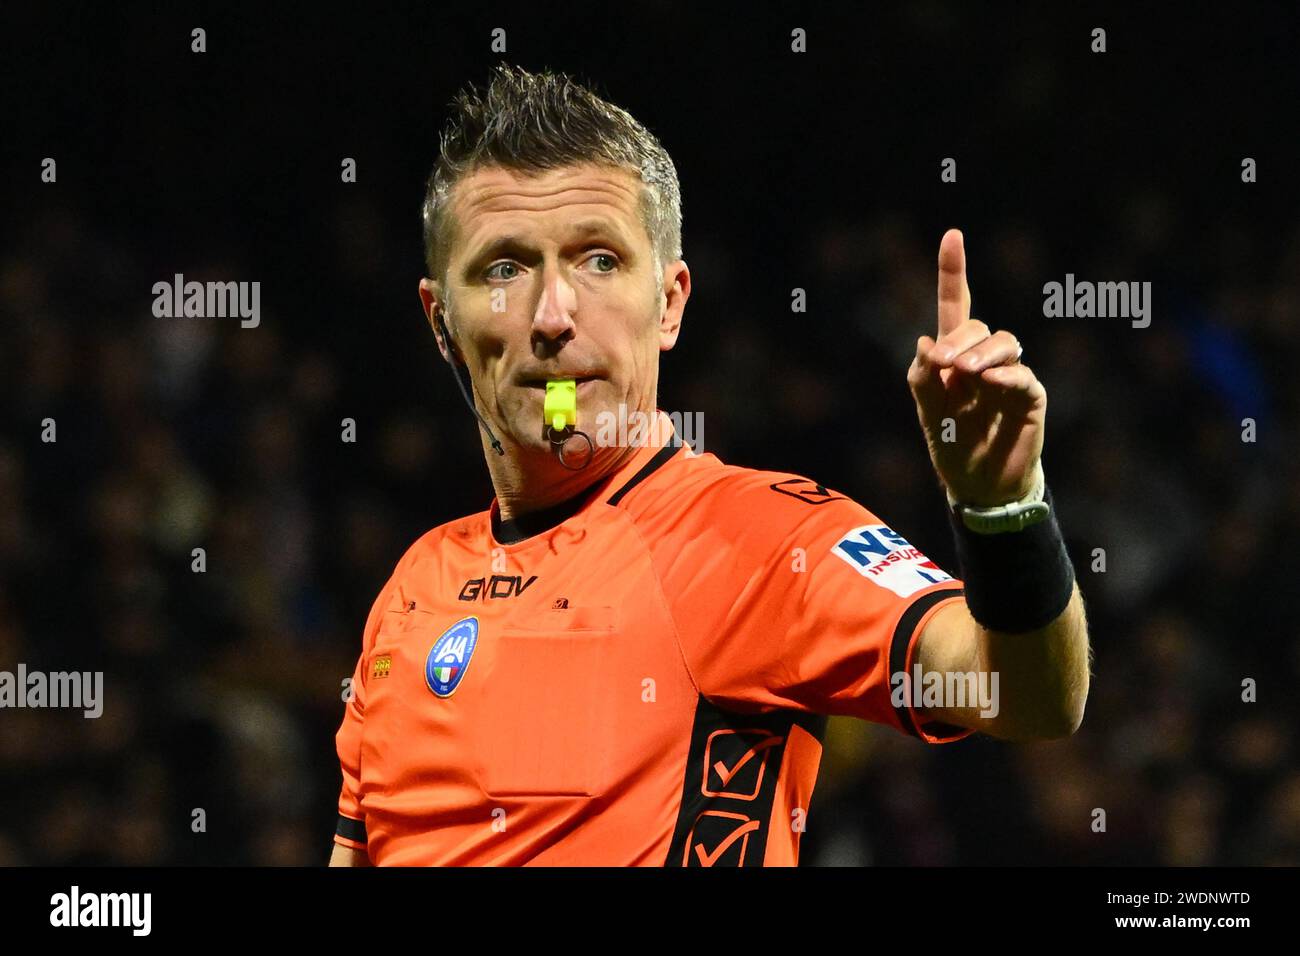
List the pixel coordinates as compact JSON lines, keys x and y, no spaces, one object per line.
{"x":954,"y":293}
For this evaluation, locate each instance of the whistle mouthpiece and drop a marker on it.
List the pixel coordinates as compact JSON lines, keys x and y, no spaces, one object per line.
{"x":560,"y":409}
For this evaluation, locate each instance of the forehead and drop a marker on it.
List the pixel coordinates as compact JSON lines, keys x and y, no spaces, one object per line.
{"x":494,"y":198}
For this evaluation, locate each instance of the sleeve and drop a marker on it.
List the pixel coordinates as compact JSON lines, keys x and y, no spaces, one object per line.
{"x":351,"y":828}
{"x":789,"y":595}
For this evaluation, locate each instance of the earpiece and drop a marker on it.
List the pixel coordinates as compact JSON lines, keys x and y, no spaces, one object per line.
{"x":455,"y":372}
{"x":451,"y":343}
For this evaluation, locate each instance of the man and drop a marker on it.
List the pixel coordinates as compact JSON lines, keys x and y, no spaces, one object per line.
{"x":629,"y":658}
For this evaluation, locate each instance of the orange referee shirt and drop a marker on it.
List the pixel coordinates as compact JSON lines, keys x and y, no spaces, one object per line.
{"x":640,"y":677}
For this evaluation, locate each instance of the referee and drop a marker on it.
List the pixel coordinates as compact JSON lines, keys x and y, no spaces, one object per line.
{"x":630,"y":657}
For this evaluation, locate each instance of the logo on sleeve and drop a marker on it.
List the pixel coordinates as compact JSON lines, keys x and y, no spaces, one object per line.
{"x":882,"y":555}
{"x":449,"y":657}
{"x":807,"y":491}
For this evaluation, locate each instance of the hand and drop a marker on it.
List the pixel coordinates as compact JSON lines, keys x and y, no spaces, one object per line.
{"x":974,"y":377}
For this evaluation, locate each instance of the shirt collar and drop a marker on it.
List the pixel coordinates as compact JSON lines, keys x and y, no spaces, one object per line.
{"x":658,"y":443}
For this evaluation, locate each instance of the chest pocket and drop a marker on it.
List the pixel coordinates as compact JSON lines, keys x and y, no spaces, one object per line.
{"x":549,"y":706}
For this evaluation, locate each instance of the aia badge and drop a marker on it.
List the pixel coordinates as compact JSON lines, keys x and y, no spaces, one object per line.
{"x":449,"y":657}
{"x":882,"y":555}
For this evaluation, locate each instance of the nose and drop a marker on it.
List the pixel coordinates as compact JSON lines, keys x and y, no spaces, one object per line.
{"x":553,"y":319}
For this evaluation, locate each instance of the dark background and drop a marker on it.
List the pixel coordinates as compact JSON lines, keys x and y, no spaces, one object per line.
{"x":816,"y":170}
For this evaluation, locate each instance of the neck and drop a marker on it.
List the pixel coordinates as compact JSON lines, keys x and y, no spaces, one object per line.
{"x":527,"y":480}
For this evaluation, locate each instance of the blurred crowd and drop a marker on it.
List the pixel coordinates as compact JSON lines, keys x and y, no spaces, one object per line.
{"x":223,"y":687}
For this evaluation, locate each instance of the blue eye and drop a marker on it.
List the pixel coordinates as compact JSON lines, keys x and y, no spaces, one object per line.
{"x":613,"y":261}
{"x":493,"y":274}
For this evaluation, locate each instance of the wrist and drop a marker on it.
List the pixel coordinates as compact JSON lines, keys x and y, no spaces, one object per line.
{"x":1015,"y":582}
{"x":1011,"y":516}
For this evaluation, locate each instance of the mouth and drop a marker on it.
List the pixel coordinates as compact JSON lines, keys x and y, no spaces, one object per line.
{"x":540,"y":382}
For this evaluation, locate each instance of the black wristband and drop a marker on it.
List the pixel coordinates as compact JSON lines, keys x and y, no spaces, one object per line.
{"x":1016,"y":581}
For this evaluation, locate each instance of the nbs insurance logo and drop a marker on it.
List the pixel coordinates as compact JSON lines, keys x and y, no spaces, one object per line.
{"x":882,"y":555}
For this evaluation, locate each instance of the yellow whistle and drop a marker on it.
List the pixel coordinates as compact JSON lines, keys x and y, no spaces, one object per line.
{"x":560,"y":409}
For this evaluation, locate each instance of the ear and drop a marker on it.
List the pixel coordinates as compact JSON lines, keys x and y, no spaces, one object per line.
{"x":432,"y":301}
{"x":676,"y":290}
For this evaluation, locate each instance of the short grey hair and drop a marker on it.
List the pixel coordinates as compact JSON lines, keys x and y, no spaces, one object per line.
{"x":533,"y":122}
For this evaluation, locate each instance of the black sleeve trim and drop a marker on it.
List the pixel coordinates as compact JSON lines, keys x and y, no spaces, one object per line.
{"x":349,"y":829}
{"x":898,"y":658}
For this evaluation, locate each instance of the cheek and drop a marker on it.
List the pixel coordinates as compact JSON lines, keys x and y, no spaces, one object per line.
{"x":630,"y":334}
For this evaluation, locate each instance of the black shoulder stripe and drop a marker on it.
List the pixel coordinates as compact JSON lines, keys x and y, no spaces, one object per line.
{"x":653,"y":465}
{"x":350,"y":829}
{"x":898,"y":656}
